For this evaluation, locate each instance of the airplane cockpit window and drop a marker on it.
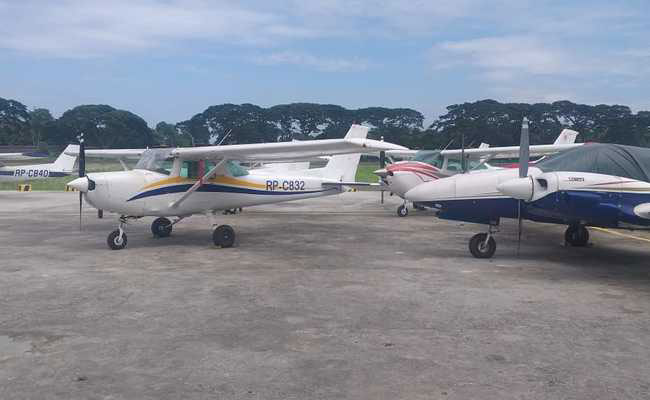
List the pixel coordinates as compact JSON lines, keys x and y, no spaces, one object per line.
{"x":453,"y":164}
{"x":430,"y":157}
{"x":156,"y":160}
{"x":235,"y":169}
{"x":190,"y":169}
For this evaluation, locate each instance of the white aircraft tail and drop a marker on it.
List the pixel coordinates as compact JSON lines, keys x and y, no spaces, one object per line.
{"x":344,"y":167}
{"x":567,"y":136}
{"x":66,"y":163}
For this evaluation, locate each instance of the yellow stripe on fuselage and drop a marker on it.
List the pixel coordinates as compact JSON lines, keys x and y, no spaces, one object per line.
{"x":219,"y":179}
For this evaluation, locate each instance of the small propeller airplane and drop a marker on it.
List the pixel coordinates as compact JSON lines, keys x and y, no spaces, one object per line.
{"x":601,"y":185}
{"x":180,"y":182}
{"x":427,"y":165}
{"x":62,"y":166}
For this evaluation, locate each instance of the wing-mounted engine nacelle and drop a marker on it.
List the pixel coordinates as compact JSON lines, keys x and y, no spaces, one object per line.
{"x":530,"y":188}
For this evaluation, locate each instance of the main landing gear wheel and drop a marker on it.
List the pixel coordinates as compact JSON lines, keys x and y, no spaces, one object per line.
{"x":115,"y":241}
{"x":576,"y":235}
{"x":480,"y":248}
{"x":161,"y":227}
{"x":223,"y":236}
{"x":402,"y":211}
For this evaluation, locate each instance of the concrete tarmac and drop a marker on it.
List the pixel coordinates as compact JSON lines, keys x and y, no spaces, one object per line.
{"x":333,"y":298}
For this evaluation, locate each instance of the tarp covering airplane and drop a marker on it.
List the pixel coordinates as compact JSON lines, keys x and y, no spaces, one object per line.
{"x":608,"y":159}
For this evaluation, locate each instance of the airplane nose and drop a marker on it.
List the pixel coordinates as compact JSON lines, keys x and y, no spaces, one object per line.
{"x":382,"y":172}
{"x":80,"y":184}
{"x":439,"y":189}
{"x":521,"y":188}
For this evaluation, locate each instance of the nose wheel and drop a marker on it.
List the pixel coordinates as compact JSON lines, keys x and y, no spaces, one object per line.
{"x":402,"y":211}
{"x":117,"y":239}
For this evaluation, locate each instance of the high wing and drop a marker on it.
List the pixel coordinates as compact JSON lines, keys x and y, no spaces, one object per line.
{"x":116,"y":154}
{"x":564,"y":141}
{"x":510,"y":151}
{"x":284,"y":151}
{"x":21,"y":156}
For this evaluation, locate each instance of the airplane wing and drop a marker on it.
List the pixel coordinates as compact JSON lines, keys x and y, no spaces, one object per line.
{"x":361,"y":186}
{"x":402,"y":153}
{"x":510,"y":151}
{"x":284,"y":151}
{"x":21,"y":156}
{"x":115,"y":154}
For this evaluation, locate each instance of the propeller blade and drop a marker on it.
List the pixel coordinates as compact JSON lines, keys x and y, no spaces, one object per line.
{"x":82,"y":172}
{"x":524,"y":149}
{"x":520,"y":226}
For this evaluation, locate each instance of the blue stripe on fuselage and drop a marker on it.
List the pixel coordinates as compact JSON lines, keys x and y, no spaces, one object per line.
{"x":606,"y":209}
{"x":218,"y":189}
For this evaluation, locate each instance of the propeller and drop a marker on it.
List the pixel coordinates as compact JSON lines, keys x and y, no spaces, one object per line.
{"x":82,"y":170}
{"x":524,"y":158}
{"x":382,"y":167}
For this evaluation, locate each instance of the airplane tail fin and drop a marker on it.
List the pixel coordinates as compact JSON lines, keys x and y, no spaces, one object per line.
{"x":344,"y":167}
{"x":567,"y":136}
{"x":66,"y":163}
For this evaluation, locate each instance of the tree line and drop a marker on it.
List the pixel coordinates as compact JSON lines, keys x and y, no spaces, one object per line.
{"x":482,"y":121}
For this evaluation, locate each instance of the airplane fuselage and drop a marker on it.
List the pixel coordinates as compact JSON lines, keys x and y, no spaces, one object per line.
{"x":29,"y":172}
{"x":557,"y":197}
{"x":147,"y":193}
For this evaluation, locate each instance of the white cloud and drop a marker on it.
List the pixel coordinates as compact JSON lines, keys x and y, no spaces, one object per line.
{"x":78,"y":28}
{"x":309,"y":60}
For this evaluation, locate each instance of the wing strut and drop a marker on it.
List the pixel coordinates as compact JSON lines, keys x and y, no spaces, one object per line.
{"x":198,"y":184}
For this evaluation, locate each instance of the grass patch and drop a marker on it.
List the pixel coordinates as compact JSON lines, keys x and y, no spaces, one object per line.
{"x":365,"y":172}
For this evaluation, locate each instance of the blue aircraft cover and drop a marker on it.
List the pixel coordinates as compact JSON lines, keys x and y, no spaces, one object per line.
{"x":609,"y":159}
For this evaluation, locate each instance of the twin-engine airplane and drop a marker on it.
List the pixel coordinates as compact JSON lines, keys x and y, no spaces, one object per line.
{"x":184,"y":181}
{"x":62,"y":166}
{"x":427,"y":165}
{"x":602,"y":185}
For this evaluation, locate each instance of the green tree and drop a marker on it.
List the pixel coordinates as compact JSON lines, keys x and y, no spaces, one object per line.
{"x":40,"y":119}
{"x":14,"y":123}
{"x":103,"y":126}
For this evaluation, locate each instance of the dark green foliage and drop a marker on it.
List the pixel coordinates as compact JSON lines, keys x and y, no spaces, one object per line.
{"x":14,"y":123}
{"x":40,"y":119}
{"x":103,"y":127}
{"x":250,"y":123}
{"x":482,"y":121}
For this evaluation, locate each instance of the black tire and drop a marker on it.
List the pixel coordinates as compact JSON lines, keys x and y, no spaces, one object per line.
{"x":161,"y":227}
{"x":576,"y":236}
{"x":223,"y":236}
{"x":402,"y":211}
{"x":114,"y":242}
{"x":479,"y":248}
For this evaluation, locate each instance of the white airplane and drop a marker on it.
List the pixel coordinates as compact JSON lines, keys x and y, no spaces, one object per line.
{"x":62,"y":166}
{"x":427,"y":165}
{"x":202,"y":180}
{"x":603,"y":185}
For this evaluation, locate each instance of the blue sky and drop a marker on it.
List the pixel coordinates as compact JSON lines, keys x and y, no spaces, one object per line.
{"x":169,"y":59}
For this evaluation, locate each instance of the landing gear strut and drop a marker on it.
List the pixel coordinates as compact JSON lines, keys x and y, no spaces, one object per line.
{"x":576,"y":235}
{"x":483,"y":245}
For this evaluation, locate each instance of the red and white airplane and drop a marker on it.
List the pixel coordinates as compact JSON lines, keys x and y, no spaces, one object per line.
{"x":427,"y":165}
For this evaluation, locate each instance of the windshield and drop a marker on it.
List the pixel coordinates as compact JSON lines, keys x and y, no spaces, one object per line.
{"x":156,"y":160}
{"x":431,"y":157}
{"x":608,"y":159}
{"x":453,"y":164}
